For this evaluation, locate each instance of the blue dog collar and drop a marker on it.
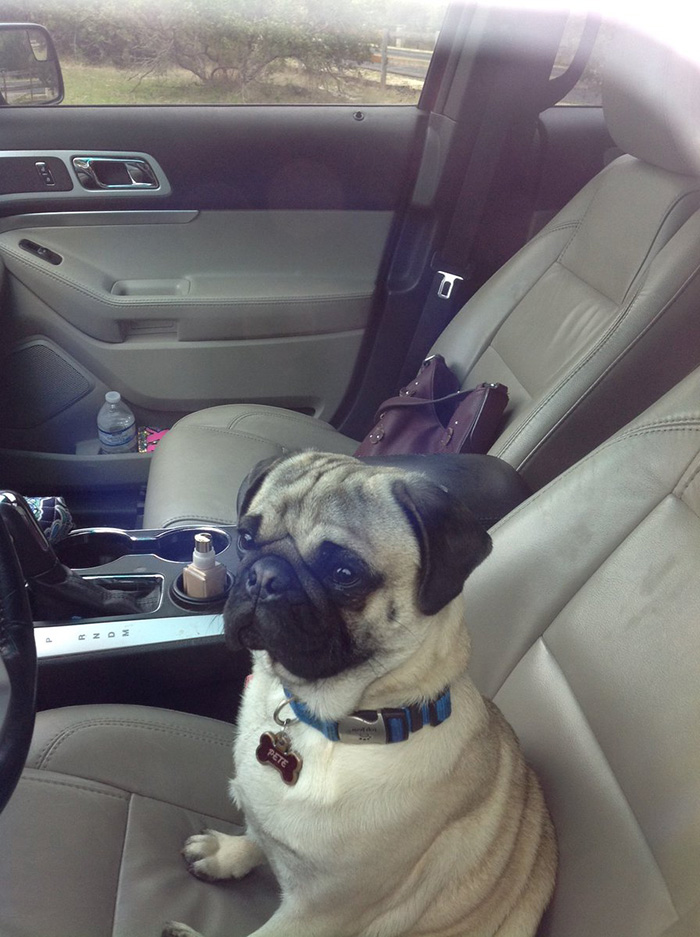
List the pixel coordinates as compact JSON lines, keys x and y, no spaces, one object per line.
{"x":378,"y":726}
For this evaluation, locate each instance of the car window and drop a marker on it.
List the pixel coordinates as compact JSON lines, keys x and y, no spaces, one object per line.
{"x":240,"y":51}
{"x":588,"y":89}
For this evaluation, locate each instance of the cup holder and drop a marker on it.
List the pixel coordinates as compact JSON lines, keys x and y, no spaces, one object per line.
{"x":177,"y":545}
{"x":211,"y":603}
{"x":84,"y":549}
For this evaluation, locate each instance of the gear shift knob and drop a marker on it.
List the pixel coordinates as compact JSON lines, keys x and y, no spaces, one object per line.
{"x":56,"y":593}
{"x":35,"y":553}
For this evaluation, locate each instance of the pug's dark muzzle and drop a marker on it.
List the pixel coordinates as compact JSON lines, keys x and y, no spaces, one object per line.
{"x":272,"y":579}
{"x":271,"y":609}
{"x":264,"y":593}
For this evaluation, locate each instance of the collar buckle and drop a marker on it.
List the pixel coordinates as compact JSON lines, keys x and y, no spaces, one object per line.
{"x":359,"y":729}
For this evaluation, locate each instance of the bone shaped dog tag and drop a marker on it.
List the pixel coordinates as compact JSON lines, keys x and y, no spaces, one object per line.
{"x":275,"y":749}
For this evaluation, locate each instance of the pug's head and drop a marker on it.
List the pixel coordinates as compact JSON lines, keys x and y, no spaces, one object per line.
{"x":344,"y":563}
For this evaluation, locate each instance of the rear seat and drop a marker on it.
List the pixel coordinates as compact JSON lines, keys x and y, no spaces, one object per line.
{"x":588,"y":324}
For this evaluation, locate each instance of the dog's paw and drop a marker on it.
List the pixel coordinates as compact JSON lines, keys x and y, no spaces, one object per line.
{"x":212,"y":856}
{"x":175,"y":929}
{"x":199,"y":853}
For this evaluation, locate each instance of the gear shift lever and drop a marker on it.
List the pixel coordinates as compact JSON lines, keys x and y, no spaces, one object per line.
{"x":35,"y":553}
{"x":55,"y":591}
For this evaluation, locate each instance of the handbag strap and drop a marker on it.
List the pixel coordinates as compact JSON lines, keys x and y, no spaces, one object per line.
{"x":406,"y":401}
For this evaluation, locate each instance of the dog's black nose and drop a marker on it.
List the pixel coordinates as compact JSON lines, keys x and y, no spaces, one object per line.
{"x":269,"y":578}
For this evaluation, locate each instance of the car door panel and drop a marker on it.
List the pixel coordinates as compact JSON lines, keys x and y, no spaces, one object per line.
{"x":215,"y":157}
{"x":210,"y":275}
{"x":249,"y":275}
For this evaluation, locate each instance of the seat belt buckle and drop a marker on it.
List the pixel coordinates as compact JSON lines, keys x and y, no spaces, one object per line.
{"x":446,"y":285}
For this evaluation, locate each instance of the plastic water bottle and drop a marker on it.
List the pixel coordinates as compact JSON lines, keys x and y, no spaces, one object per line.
{"x":116,"y":425}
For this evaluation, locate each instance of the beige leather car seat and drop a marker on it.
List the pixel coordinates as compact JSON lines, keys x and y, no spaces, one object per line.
{"x":585,"y":630}
{"x":589,"y":323}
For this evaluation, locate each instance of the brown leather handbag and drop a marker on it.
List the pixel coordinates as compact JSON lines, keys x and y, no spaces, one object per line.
{"x":431,"y":414}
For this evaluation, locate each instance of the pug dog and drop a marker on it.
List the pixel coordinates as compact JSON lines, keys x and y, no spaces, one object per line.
{"x":388,"y":796}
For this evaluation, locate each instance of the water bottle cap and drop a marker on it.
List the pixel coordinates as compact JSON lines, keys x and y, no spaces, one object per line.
{"x":113,"y":396}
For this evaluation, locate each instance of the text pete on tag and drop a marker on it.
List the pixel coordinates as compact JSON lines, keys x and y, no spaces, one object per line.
{"x":275,"y":750}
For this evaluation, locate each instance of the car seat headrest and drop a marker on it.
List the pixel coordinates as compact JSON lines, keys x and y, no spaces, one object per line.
{"x":651,"y":101}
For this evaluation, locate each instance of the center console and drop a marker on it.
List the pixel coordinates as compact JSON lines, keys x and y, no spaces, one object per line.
{"x":149,"y":564}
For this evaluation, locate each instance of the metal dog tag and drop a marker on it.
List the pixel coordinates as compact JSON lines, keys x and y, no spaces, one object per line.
{"x":275,"y":749}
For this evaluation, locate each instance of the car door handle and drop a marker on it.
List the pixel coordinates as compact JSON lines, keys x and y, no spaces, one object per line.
{"x":104,"y":172}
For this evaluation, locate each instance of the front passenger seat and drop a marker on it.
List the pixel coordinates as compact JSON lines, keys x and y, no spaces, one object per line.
{"x":589,"y":323}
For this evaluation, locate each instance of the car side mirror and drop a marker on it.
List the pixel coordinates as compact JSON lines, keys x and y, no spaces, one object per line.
{"x":29,"y":71}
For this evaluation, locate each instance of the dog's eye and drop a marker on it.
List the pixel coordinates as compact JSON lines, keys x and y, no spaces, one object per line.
{"x":344,"y":576}
{"x":340,"y":569}
{"x":245,"y":541}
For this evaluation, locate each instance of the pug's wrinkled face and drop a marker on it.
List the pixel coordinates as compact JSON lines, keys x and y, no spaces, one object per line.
{"x":339,"y":557}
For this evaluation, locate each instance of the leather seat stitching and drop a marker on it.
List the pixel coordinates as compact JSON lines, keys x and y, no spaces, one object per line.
{"x":690,"y":481}
{"x":122,"y":862}
{"x":120,"y":794}
{"x":198,"y":520}
{"x":54,"y":743}
{"x":597,"y":349}
{"x":283,"y":417}
{"x":621,"y":356}
{"x":560,"y":258}
{"x":670,"y":206}
{"x":516,"y":433}
{"x":667,"y":214}
{"x":626,"y":309}
{"x":227,"y":431}
{"x":222,"y":430}
{"x":545,"y":233}
{"x":83,"y":788}
{"x":621,"y":314}
{"x":492,"y":338}
{"x":605,"y":338}
{"x":661,"y":426}
{"x":581,"y":220}
{"x":558,"y":227}
{"x":613,"y":775}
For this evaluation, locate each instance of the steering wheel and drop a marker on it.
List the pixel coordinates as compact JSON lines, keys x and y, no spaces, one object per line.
{"x":17,"y":669}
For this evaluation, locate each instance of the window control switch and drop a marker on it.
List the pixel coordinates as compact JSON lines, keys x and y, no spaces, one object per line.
{"x":43,"y":253}
{"x":45,"y":173}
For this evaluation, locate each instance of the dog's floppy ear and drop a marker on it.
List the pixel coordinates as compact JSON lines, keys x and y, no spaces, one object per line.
{"x":452,"y":542}
{"x":252,"y":482}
